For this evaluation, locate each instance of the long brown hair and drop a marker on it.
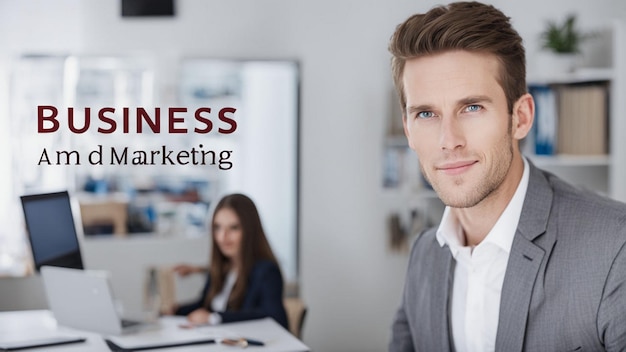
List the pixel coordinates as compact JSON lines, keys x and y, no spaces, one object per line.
{"x":254,"y":247}
{"x":470,"y":26}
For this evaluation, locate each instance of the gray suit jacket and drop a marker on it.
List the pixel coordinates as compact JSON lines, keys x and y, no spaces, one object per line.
{"x":564,"y":287}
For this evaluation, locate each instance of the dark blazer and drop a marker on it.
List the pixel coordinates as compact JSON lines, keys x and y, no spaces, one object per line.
{"x":565,"y":284}
{"x":263,"y":297}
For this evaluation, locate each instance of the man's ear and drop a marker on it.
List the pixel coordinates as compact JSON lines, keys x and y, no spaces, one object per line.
{"x":523,"y":116}
{"x":406,"y":131}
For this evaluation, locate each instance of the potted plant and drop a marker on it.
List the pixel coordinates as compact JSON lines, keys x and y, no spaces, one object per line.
{"x":562,"y":38}
{"x":562,"y":41}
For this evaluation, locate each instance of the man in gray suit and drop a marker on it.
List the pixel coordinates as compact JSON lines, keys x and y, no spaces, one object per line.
{"x":521,"y":260}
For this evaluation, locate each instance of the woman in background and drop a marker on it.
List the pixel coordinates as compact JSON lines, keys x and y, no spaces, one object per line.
{"x":244,"y":281}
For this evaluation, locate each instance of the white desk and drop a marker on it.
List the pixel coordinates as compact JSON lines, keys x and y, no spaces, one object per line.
{"x":33,"y":324}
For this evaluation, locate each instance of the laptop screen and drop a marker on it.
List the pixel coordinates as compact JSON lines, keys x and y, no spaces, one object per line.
{"x":51,"y":230}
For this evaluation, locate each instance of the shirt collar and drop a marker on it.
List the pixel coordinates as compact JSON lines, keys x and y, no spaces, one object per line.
{"x":501,"y":234}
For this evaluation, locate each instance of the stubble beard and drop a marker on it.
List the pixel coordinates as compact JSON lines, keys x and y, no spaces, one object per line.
{"x":458,"y":198}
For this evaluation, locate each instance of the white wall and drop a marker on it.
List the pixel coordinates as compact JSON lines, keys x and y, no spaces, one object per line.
{"x":351,"y":282}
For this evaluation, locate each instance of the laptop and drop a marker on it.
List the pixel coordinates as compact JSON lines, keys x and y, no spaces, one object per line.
{"x":83,"y":299}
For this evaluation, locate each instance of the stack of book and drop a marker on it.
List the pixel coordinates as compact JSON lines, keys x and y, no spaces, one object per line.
{"x":571,"y":119}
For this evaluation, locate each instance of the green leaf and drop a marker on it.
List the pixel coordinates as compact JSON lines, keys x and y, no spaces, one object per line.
{"x":562,"y":38}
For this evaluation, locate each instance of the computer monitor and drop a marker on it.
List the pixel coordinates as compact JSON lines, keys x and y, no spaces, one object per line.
{"x":51,"y":230}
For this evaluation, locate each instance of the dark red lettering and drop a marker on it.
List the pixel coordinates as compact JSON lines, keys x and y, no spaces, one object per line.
{"x":41,"y":118}
{"x":155,"y":125}
{"x":222,"y":116}
{"x":125,"y":120}
{"x":207,"y":122}
{"x":173,"y":120}
{"x":111,"y":122}
{"x":70,"y":117}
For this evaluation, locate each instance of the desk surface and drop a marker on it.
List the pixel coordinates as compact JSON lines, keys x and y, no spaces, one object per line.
{"x":38,"y":324}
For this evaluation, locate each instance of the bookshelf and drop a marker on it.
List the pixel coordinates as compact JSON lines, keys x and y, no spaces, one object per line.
{"x":601,"y":170}
{"x":412,"y":204}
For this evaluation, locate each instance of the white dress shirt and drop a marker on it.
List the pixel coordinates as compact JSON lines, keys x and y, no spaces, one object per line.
{"x":479,"y":274}
{"x":220,"y":301}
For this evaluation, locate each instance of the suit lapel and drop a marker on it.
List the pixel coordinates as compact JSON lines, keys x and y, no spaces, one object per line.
{"x":525,"y":260}
{"x":442,"y":288}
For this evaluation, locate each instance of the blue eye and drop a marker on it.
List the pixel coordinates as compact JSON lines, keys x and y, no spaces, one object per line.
{"x":425,"y":114}
{"x":473,"y":108}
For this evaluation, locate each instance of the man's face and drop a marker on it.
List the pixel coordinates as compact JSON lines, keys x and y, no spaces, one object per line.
{"x":458,"y":124}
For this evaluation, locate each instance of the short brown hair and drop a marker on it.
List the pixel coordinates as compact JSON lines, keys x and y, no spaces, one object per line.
{"x":470,"y":26}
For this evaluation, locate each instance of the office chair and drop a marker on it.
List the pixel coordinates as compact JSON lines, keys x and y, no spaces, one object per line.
{"x":296,"y":313}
